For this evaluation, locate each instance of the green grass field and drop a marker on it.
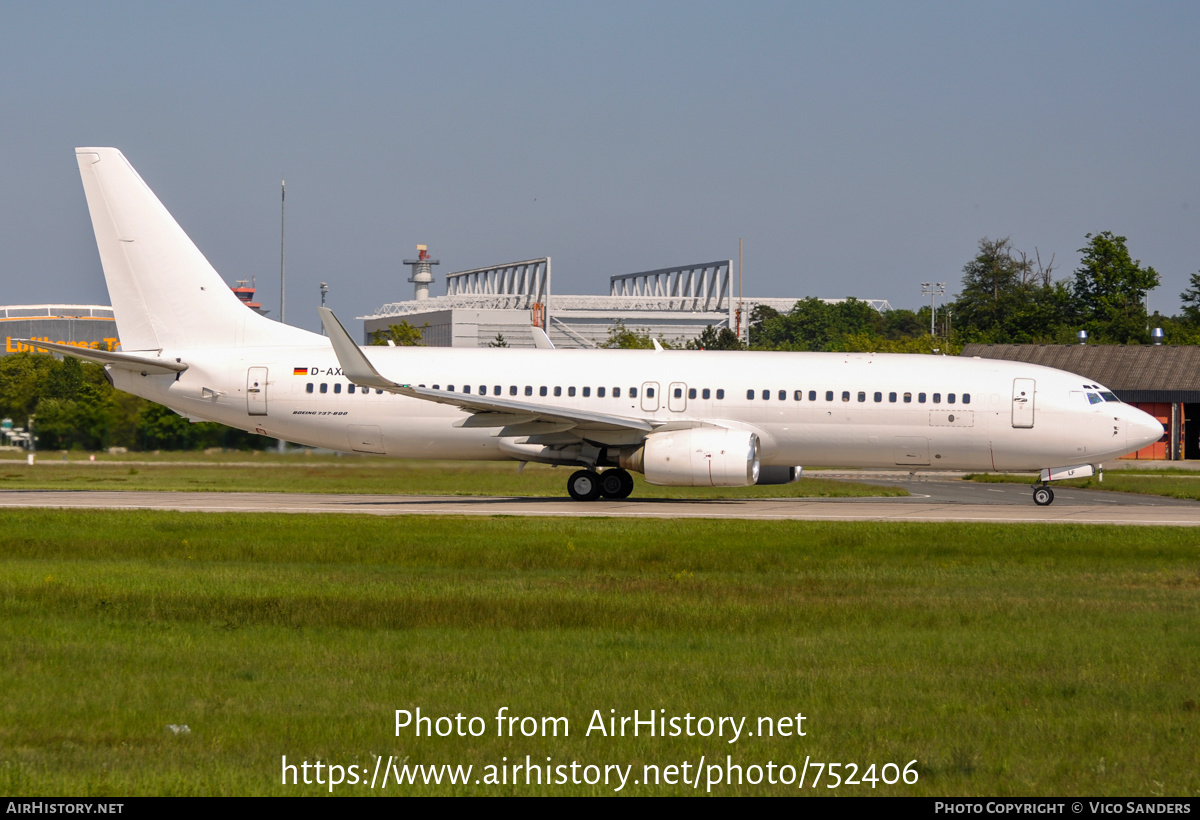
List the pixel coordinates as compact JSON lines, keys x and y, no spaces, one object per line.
{"x":1005,"y":660}
{"x":266,"y":472}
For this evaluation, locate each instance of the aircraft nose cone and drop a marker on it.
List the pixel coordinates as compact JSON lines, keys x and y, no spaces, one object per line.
{"x":1144,"y":430}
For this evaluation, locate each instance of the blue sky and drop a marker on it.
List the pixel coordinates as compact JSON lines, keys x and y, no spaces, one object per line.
{"x":859,"y":148}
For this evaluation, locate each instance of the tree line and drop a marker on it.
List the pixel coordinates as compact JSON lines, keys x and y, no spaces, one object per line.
{"x":1006,"y":296}
{"x":73,"y":406}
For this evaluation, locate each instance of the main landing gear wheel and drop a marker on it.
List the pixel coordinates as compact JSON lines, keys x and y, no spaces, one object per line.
{"x":584,"y":485}
{"x":616,"y":483}
{"x":1043,"y":496}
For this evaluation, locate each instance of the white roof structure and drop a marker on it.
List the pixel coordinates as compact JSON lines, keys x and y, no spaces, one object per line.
{"x":484,"y":303}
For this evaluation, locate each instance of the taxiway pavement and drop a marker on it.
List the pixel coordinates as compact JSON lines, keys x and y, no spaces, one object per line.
{"x":930,"y":501}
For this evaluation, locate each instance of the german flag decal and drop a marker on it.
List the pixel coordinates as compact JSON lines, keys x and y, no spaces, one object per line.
{"x":300,"y":371}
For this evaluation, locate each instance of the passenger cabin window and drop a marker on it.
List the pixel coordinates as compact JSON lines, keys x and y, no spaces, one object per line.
{"x":558,"y":391}
{"x":679,"y":393}
{"x":632,"y":392}
{"x":845,"y":395}
{"x":512,"y":390}
{"x":496,"y":390}
{"x":797,"y":395}
{"x":862,"y":396}
{"x":750,"y":395}
{"x":812,"y":395}
{"x":587,"y":391}
{"x":528,"y":390}
{"x":766,"y":394}
{"x":878,"y":396}
{"x":543,"y":391}
{"x":570,"y":391}
{"x":649,"y":392}
{"x":892,"y":398}
{"x":828,"y":395}
{"x":705,"y":393}
{"x":617,"y":393}
{"x":600,"y":392}
{"x":450,"y":388}
{"x":350,"y":388}
{"x":308,"y":388}
{"x":908,"y":398}
{"x":324,"y":387}
{"x":692,"y":393}
{"x":966,"y":398}
{"x":720,"y":394}
{"x":950,"y":398}
{"x":466,"y":388}
{"x":937,"y":398}
{"x":337,"y":388}
{"x":783,"y":395}
{"x":920,"y":398}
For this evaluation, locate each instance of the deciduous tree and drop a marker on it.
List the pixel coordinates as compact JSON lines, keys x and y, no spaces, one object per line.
{"x":1110,"y":288}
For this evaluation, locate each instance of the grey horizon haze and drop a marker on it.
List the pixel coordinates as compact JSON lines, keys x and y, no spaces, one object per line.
{"x":859,"y":149}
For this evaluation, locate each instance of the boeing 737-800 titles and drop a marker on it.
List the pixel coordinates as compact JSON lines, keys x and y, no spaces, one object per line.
{"x":683,"y":418}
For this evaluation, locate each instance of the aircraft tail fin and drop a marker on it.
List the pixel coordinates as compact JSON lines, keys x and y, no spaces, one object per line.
{"x":164,"y":293}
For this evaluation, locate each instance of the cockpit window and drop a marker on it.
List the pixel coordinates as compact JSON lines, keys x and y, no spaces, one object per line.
{"x":1109,"y":396}
{"x":1094,"y":398}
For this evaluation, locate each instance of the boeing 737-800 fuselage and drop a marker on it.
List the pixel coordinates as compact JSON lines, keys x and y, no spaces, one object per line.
{"x":679,"y":417}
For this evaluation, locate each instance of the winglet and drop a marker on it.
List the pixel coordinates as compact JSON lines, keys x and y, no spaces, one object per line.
{"x":355,"y":365}
{"x":540,"y":339}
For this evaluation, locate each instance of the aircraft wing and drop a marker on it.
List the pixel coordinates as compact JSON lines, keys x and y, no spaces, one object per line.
{"x":126,"y":361}
{"x":487,"y":411}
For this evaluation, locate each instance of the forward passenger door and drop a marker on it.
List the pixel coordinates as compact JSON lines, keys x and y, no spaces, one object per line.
{"x":1022,"y":402}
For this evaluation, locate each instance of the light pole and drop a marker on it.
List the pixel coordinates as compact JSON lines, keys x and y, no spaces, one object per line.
{"x":933,"y":290}
{"x":282,"y":235}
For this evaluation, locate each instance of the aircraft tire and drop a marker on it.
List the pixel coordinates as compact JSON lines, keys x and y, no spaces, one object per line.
{"x":1043,"y":496}
{"x":584,"y":485}
{"x":616,"y":483}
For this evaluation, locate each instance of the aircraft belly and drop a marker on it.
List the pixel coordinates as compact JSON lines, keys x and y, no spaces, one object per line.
{"x":887,"y":445}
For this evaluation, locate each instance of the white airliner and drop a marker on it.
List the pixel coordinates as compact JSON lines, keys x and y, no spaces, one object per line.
{"x":682,"y":418}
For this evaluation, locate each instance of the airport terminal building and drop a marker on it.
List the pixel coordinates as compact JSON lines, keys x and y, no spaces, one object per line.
{"x":485,"y":306}
{"x":91,"y":326}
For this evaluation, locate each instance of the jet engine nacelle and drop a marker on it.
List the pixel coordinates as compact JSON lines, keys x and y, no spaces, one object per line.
{"x":699,"y":457}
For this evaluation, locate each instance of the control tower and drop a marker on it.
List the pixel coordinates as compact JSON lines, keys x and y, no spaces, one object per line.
{"x":422,"y":273}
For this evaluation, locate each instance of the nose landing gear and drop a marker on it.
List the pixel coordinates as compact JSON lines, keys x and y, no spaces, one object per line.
{"x":1043,"y":496}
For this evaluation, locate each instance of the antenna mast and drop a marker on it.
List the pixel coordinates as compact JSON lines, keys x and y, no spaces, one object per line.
{"x":739,"y":310}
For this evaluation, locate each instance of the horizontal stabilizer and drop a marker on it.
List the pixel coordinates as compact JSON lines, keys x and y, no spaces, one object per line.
{"x":125,"y":361}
